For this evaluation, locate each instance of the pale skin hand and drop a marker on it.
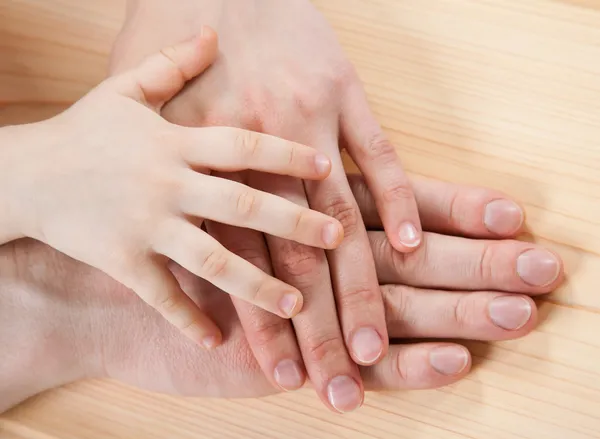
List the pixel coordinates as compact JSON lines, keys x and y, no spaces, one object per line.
{"x":80,"y":323}
{"x":112,"y":184}
{"x":282,"y":72}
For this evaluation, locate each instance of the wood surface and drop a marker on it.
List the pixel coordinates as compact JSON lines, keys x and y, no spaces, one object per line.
{"x":503,"y":93}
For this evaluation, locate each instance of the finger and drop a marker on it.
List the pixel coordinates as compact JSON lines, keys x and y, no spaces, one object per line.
{"x":419,"y":366}
{"x":481,"y":315}
{"x":357,"y":293}
{"x":449,"y":262}
{"x":233,"y":149}
{"x":271,"y":338}
{"x":156,"y":285}
{"x":331,"y":370}
{"x":205,"y":257}
{"x":236,"y":204}
{"x":161,"y":76}
{"x":379,"y":163}
{"x":452,"y":208}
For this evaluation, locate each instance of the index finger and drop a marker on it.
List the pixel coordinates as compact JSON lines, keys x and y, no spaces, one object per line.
{"x":377,"y":159}
{"x":229,"y":149}
{"x":359,"y":300}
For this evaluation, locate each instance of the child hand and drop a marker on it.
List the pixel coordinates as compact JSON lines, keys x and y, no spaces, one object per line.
{"x":111,"y":183}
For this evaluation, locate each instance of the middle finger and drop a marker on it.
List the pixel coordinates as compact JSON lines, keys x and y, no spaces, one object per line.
{"x":450,"y":262}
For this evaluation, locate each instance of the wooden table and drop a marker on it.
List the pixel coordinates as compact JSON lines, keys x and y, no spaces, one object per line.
{"x":504,"y":93}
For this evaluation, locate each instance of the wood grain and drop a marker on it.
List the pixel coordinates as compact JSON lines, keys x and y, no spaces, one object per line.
{"x":503,"y":93}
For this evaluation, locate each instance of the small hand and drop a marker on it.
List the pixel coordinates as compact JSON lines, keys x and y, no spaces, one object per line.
{"x":118,"y":187}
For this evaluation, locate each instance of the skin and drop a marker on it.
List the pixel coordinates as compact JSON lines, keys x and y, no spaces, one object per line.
{"x":79,"y":323}
{"x":112,"y":184}
{"x":282,"y":72}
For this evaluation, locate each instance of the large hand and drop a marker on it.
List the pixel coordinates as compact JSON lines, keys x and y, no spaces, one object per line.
{"x":112,"y":184}
{"x":282,"y":72}
{"x":78,"y":322}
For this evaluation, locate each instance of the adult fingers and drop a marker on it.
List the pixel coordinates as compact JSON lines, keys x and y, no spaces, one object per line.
{"x":331,"y":370}
{"x":452,"y":208}
{"x":450,"y":262}
{"x":418,"y":366}
{"x":377,"y":159}
{"x":270,"y":337}
{"x":353,"y":273}
{"x":482,"y":315}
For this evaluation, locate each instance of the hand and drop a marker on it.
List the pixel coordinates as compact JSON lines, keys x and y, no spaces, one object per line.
{"x":116,"y":186}
{"x":79,"y":323}
{"x":282,"y":72}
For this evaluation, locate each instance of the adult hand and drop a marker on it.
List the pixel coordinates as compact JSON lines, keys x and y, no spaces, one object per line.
{"x":282,"y":72}
{"x":80,"y":323}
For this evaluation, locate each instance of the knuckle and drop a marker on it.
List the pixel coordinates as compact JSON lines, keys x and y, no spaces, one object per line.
{"x":344,"y":74}
{"x":356,"y":298}
{"x":397,"y":191}
{"x":307,"y":101}
{"x":410,"y":265}
{"x":485,"y":267}
{"x":379,"y":147}
{"x":166,"y":303}
{"x":346,"y":213}
{"x":214,"y":263}
{"x":247,"y":143}
{"x":262,"y":289}
{"x":401,"y":365}
{"x":246,"y":204}
{"x":397,"y":303}
{"x":319,"y":347}
{"x":298,"y":261}
{"x":265,"y":332}
{"x":463,"y":312}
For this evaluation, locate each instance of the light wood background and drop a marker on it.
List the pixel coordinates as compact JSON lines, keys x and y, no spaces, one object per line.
{"x":504,"y":93}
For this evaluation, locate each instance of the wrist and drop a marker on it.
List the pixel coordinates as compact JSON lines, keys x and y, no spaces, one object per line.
{"x":16,"y":157}
{"x":37,"y":334}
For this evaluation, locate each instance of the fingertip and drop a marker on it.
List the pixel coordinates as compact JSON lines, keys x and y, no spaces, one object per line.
{"x":504,"y":217}
{"x":208,"y":34}
{"x":322,"y":166}
{"x":291,"y":304}
{"x":332,"y":234}
{"x":408,"y":238}
{"x":210,"y":342}
{"x":450,"y":360}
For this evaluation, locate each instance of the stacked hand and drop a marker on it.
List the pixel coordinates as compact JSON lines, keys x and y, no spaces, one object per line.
{"x":282,"y":72}
{"x":112,"y":184}
{"x":79,"y":323}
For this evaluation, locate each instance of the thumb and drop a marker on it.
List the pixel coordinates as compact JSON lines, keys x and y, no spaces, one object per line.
{"x":162,"y":75}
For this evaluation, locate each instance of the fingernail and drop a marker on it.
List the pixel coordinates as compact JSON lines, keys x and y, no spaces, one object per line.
{"x":366,"y":345}
{"x":503,"y":217}
{"x":409,"y":236}
{"x":323,"y":164}
{"x":330,"y":234}
{"x":344,"y":394}
{"x":288,"y":375}
{"x":287,"y":304}
{"x":209,"y":342}
{"x":449,"y":360}
{"x":538,"y":267}
{"x":510,"y":313}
